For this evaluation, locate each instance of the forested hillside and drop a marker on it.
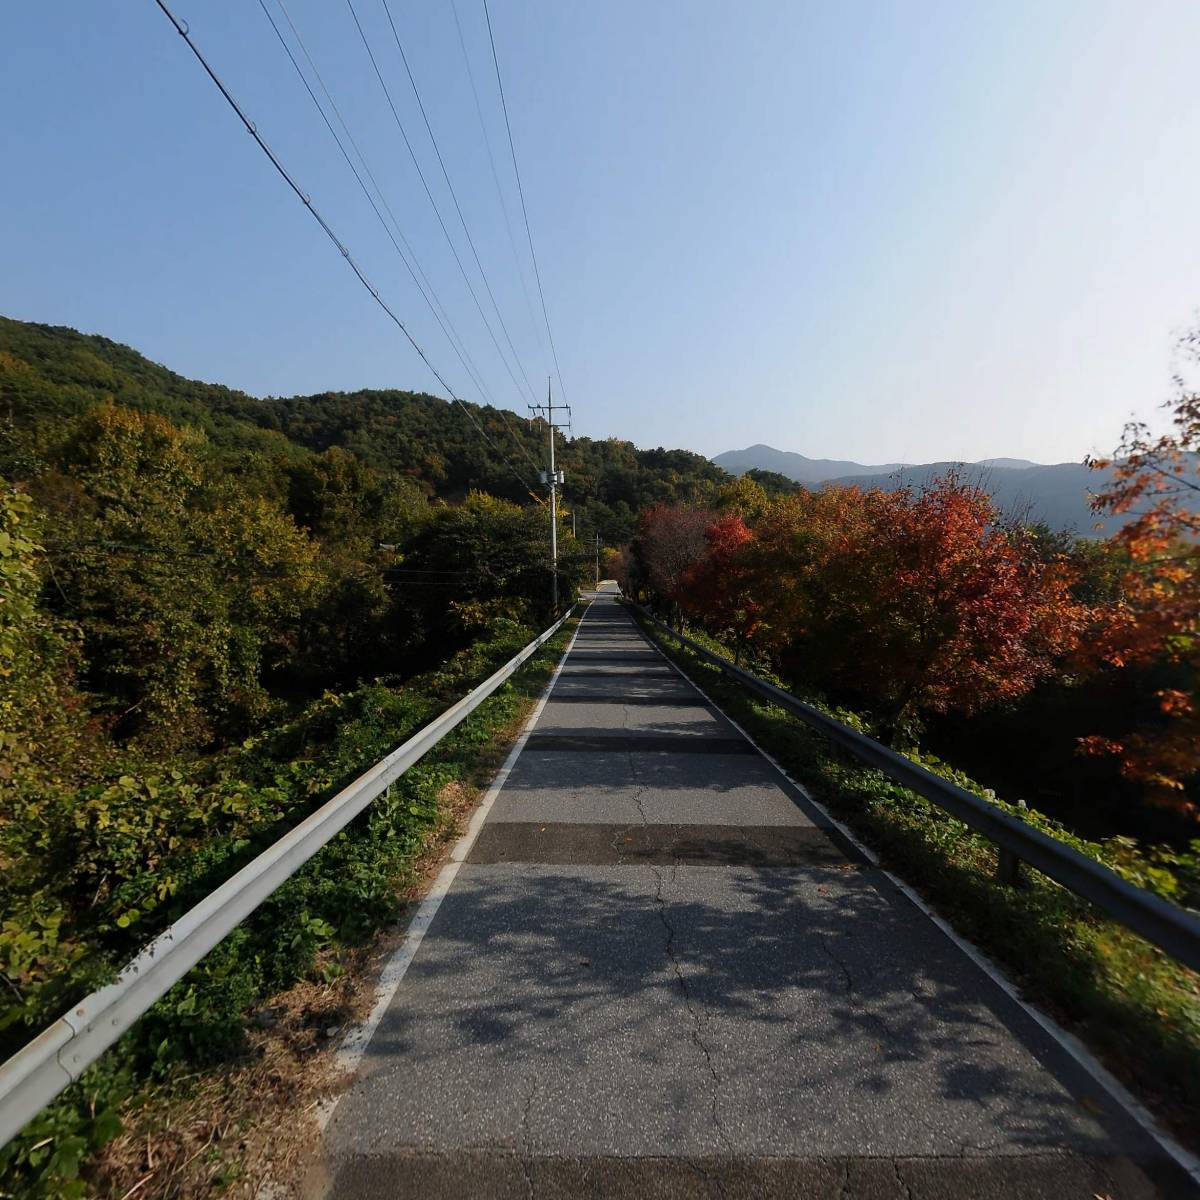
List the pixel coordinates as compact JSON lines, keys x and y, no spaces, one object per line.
{"x":1062,"y":670}
{"x":53,"y":372}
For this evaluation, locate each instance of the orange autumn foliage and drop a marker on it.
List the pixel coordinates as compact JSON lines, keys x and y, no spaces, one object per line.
{"x":1156,"y":621}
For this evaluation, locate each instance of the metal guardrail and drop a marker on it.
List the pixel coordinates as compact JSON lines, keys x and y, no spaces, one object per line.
{"x":56,"y":1057}
{"x":1172,"y":929}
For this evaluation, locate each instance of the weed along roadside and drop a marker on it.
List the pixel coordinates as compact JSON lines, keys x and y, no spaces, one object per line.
{"x":1133,"y":1006}
{"x":208,"y":1088}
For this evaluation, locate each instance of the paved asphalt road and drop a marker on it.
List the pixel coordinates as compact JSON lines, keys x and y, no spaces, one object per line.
{"x":659,"y":974}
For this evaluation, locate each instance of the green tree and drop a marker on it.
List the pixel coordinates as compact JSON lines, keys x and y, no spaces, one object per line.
{"x":44,"y":731}
{"x":186,"y":589}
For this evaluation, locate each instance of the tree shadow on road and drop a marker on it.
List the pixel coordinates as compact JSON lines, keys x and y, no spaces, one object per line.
{"x":809,"y":1001}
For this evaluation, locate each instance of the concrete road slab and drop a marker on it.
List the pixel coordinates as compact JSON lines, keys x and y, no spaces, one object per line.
{"x":581,"y":715}
{"x":662,"y":845}
{"x":663,"y":690}
{"x":503,"y":1176}
{"x":623,"y":787}
{"x":634,"y":742}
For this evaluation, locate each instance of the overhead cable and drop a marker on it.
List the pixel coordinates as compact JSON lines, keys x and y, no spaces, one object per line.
{"x":183,"y":31}
{"x":406,"y":251}
{"x":454,"y":196}
{"x":524,"y":211}
{"x":487,"y":142}
{"x":429,"y":194}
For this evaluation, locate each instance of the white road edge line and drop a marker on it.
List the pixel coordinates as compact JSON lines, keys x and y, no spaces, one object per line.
{"x":1074,"y":1048}
{"x":354,"y":1045}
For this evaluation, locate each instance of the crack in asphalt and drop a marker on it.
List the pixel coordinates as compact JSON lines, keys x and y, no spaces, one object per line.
{"x":619,"y":832}
{"x":823,"y":942}
{"x":844,"y":1190}
{"x":901,"y":1181}
{"x":880,"y":1026}
{"x":697,"y":1019}
{"x":639,"y":791}
{"x":526,"y":1144}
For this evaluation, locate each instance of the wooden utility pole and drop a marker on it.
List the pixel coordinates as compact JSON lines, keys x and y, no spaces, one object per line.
{"x":553,"y":478}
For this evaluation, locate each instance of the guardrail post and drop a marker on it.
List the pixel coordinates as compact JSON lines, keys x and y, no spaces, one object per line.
{"x":1008,"y":868}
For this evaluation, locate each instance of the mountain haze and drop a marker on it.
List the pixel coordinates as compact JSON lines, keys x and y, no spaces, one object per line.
{"x":795,"y":466}
{"x":1057,"y":494}
{"x":1018,"y":464}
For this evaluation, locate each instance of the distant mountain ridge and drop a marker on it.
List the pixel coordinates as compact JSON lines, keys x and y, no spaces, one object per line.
{"x":1058,"y":494}
{"x":801,"y":469}
{"x":795,"y":466}
{"x":1016,"y":464}
{"x":51,"y":373}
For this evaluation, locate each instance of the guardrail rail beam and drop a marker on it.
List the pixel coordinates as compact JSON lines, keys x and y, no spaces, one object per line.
{"x":39,"y":1071}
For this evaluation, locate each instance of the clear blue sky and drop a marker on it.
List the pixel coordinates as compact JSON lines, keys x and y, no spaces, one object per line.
{"x":907,"y":230}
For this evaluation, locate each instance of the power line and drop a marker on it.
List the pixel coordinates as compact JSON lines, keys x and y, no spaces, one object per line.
{"x":487,"y":142}
{"x":429,"y":194}
{"x":466,"y":231}
{"x":444,"y":576}
{"x":391,"y":573}
{"x":366,"y":192}
{"x":423,"y":285}
{"x":211,"y":554}
{"x":183,"y":32}
{"x":454,"y":196}
{"x":90,"y":548}
{"x":428,"y":292}
{"x":521,"y":192}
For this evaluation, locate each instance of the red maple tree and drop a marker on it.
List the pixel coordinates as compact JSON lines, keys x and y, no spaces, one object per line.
{"x":949,"y":609}
{"x":670,"y":542}
{"x":720,"y":589}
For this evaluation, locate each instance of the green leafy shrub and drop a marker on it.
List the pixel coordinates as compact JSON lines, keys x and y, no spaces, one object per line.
{"x":134,"y":853}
